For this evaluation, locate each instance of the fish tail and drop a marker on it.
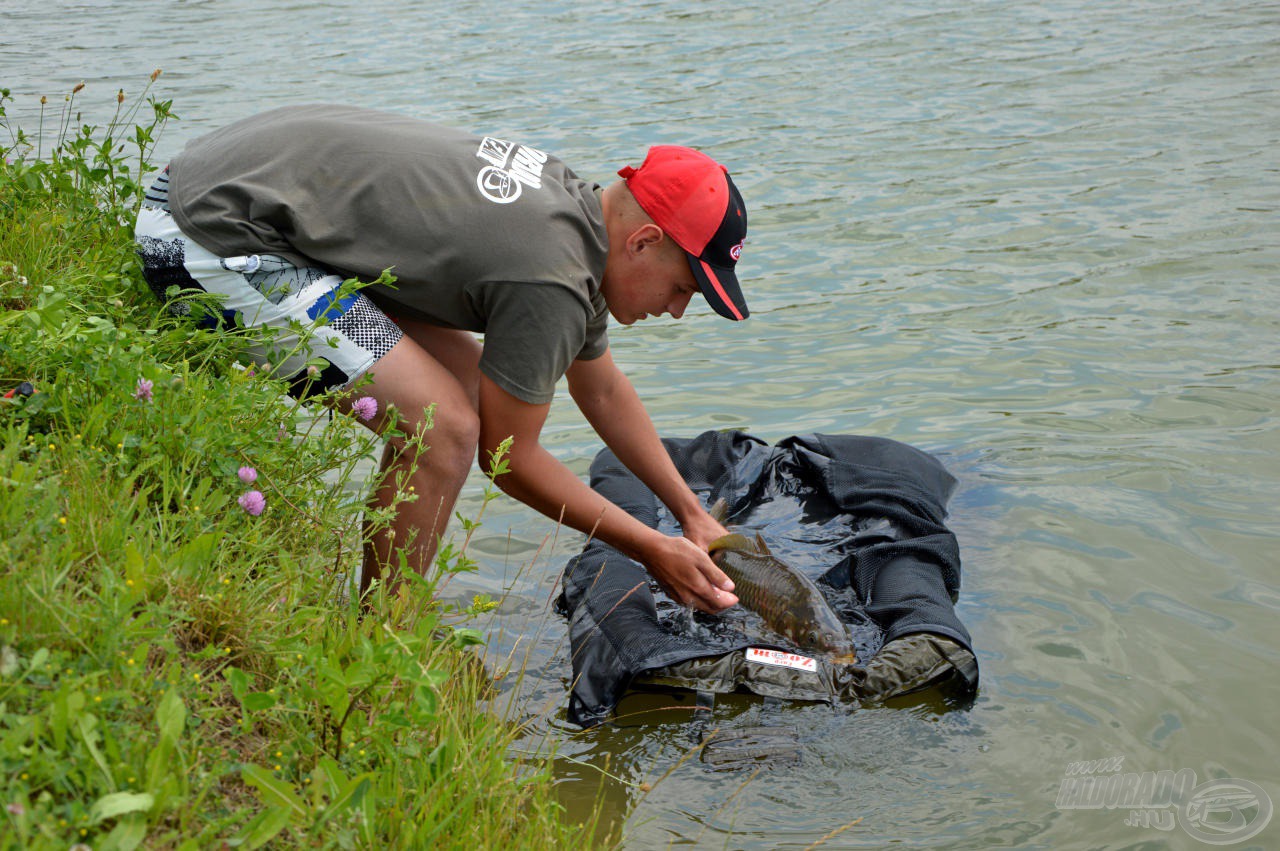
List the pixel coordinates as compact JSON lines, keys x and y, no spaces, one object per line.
{"x":719,"y":510}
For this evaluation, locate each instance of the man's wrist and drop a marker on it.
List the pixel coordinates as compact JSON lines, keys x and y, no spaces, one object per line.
{"x":687,"y":509}
{"x":646,"y":547}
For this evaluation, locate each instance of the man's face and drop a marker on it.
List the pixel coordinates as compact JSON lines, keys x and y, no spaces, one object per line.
{"x":648,"y":279}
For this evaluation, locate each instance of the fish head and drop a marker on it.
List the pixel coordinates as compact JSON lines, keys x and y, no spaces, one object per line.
{"x":824,"y":631}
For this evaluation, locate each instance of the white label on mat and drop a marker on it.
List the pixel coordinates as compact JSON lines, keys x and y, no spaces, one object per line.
{"x":784,"y":660}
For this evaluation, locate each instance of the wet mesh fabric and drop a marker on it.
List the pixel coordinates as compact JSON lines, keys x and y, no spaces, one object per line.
{"x":861,"y":516}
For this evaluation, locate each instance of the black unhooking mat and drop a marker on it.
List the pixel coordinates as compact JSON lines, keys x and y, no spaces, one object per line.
{"x":862,"y":516}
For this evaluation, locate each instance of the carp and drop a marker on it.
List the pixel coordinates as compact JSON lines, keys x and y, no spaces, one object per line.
{"x":788,"y":601}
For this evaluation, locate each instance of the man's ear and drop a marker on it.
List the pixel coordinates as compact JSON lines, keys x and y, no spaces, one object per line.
{"x":647,"y":236}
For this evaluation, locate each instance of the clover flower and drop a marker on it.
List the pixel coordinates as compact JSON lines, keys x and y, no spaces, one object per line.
{"x":253,"y":502}
{"x":366,"y":407}
{"x":143,"y":390}
{"x":248,"y":475}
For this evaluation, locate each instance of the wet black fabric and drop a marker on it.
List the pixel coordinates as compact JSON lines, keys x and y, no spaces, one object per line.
{"x":862,"y":516}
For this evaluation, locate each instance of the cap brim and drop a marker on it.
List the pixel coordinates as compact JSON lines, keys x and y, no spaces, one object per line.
{"x":720,"y":287}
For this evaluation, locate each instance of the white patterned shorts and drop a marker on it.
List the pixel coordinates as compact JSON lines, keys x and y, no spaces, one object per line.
{"x":264,"y":291}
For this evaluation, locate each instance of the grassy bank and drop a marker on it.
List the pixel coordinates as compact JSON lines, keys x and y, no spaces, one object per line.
{"x":176,"y":671}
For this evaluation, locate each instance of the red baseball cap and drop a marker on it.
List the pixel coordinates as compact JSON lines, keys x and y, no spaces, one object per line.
{"x":691,"y":197}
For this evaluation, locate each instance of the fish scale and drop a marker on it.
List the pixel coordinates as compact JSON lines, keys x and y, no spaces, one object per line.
{"x":757,"y":581}
{"x":787,"y":600}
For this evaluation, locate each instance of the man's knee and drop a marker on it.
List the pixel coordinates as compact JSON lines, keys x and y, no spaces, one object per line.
{"x":461,"y":428}
{"x":450,"y":431}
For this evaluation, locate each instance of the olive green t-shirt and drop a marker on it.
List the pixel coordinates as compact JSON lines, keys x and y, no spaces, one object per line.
{"x":482,"y":234}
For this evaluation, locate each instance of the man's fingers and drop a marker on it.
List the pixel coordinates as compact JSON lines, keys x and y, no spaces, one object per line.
{"x":712,"y":600}
{"x":694,"y":579}
{"x":718,"y":578}
{"x":703,"y":597}
{"x":715,"y":608}
{"x":713,"y":574}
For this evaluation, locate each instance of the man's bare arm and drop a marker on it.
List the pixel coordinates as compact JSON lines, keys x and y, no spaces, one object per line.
{"x":610,"y":403}
{"x":539,"y":480}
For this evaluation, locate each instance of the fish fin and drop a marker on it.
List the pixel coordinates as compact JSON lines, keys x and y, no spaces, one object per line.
{"x":761,"y":546}
{"x":732,"y":541}
{"x":719,"y":511}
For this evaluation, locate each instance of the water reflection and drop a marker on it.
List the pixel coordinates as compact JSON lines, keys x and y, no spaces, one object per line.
{"x":1037,"y":239}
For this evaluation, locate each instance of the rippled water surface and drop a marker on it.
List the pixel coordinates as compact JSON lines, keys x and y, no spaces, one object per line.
{"x":1039,"y":240}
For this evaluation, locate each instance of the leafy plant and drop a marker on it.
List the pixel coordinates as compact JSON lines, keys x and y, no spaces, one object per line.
{"x":181,"y":667}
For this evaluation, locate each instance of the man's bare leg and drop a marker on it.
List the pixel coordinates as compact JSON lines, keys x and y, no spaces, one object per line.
{"x":410,"y":379}
{"x":457,"y":351}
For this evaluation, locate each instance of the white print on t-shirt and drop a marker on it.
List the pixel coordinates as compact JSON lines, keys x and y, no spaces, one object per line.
{"x":513,"y":167}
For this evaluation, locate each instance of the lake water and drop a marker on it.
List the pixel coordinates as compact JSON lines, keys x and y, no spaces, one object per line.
{"x":1037,"y":239}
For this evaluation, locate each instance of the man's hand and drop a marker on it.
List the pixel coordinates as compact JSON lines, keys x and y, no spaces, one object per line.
{"x":701,"y":528}
{"x":688,"y":575}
